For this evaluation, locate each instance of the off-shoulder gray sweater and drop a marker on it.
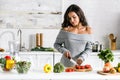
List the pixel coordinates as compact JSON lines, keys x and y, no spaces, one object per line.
{"x":79,"y":45}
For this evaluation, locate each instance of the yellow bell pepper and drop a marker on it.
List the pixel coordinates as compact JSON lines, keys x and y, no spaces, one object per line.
{"x":47,"y":68}
{"x":10,"y":64}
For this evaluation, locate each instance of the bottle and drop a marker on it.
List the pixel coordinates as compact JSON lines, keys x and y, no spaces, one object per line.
{"x":41,"y":40}
{"x":37,"y":40}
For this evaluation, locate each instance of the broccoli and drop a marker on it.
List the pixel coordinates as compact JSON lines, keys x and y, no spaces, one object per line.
{"x":58,"y":68}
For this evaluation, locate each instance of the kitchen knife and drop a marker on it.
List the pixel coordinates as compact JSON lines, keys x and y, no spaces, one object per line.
{"x":73,"y":61}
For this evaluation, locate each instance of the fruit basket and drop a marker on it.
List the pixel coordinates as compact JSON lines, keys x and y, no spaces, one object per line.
{"x":7,"y":63}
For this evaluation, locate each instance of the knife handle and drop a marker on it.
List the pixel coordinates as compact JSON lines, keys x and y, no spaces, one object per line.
{"x":69,"y":57}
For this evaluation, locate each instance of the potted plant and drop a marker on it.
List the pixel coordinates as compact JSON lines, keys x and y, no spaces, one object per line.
{"x":108,"y":57}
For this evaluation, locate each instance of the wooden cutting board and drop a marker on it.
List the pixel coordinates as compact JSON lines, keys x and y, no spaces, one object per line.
{"x":80,"y":70}
{"x":83,"y":70}
{"x":102,"y":73}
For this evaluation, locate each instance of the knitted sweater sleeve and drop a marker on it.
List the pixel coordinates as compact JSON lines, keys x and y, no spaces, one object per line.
{"x":86,"y":51}
{"x":84,"y":54}
{"x":59,"y":44}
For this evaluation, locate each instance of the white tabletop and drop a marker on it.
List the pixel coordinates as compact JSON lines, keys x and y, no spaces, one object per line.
{"x":64,"y":75}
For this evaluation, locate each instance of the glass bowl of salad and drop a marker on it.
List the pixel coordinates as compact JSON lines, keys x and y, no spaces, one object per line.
{"x":23,"y":66}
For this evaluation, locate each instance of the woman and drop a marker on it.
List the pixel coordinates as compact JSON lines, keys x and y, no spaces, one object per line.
{"x":74,"y":39}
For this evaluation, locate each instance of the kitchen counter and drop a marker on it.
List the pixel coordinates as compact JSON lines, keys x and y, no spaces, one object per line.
{"x":115,"y":52}
{"x":40,"y":58}
{"x":32,"y":75}
{"x":30,"y":52}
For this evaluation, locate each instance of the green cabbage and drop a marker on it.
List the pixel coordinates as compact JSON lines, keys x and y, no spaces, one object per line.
{"x":58,"y":68}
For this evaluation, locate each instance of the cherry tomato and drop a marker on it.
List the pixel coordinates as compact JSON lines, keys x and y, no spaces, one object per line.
{"x":69,"y":70}
{"x":87,"y":66}
{"x":82,"y":67}
{"x":77,"y":66}
{"x":7,"y":57}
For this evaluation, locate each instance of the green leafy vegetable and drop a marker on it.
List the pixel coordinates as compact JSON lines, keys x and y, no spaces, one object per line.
{"x":58,"y":67}
{"x":42,"y":49}
{"x":106,"y":55}
{"x":2,"y":62}
{"x":23,"y":66}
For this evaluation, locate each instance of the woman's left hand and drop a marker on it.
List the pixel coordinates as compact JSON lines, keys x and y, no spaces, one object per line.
{"x":79,"y":61}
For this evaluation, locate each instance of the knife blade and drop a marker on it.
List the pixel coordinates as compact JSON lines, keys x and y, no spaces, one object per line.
{"x":73,"y":61}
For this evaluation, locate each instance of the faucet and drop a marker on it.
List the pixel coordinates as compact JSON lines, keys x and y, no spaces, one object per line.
{"x":19,"y":33}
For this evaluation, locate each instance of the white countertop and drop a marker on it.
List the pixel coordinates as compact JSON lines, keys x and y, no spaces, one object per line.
{"x":30,"y":52}
{"x":37,"y":75}
{"x":115,"y":52}
{"x":64,"y":75}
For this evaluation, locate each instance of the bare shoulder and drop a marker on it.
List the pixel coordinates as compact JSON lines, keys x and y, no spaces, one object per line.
{"x":65,"y":28}
{"x":89,"y":30}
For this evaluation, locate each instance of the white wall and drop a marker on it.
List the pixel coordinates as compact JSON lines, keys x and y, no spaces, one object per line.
{"x":28,"y":37}
{"x":102,"y":15}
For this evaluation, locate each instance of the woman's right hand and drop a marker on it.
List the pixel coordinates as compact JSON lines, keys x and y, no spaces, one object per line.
{"x":67,"y":54}
{"x":79,"y":61}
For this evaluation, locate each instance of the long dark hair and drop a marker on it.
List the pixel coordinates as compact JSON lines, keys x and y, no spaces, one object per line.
{"x":78,"y":11}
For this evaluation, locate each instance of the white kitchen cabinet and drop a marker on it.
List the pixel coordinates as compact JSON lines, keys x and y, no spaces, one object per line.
{"x":4,"y":54}
{"x":42,"y":59}
{"x":38,"y":59}
{"x":29,"y":57}
{"x":116,"y":60}
{"x":57,"y":56}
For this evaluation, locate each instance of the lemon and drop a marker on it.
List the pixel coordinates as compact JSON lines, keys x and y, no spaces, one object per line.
{"x":119,"y":69}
